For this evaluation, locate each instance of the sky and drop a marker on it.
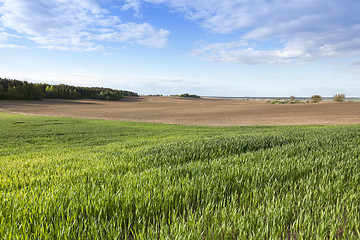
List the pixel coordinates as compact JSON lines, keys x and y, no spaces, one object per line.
{"x":228,"y":48}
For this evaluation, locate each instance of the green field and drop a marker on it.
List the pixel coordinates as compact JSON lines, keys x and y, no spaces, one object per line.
{"x":63,"y":178}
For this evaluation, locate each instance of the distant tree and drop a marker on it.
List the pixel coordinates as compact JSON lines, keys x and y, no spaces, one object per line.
{"x":49,"y":91}
{"x":22,"y":90}
{"x":11,"y":93}
{"x":129,"y":93}
{"x":186,"y":95}
{"x":35,"y":92}
{"x":316,"y":99}
{"x":292,"y":98}
{"x":73,"y":94}
{"x":339,"y":98}
{"x":2,"y":93}
{"x":18,"y":92}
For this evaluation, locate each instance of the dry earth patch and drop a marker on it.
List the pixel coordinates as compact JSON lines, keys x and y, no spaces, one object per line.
{"x":205,"y":111}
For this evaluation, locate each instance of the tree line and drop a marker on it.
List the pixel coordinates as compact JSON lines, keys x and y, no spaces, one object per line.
{"x":11,"y":89}
{"x":186,"y":95}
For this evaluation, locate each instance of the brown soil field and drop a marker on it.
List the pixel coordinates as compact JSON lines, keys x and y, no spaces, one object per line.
{"x":204,"y":111}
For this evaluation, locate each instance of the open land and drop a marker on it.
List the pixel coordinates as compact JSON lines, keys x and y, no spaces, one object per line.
{"x":77,"y":178}
{"x":187,"y":111}
{"x":67,"y":178}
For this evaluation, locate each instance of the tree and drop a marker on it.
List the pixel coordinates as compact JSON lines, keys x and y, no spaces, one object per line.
{"x":339,"y":98}
{"x":186,"y":95}
{"x":316,"y":99}
{"x":2,"y":94}
{"x":50,"y":91}
{"x":35,"y":92}
{"x":292,"y":98}
{"x":73,"y":94}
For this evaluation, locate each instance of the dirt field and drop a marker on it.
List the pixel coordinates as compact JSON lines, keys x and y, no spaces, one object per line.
{"x":207,"y":111}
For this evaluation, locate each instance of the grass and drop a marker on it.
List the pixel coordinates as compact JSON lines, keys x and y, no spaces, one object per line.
{"x":63,"y":178}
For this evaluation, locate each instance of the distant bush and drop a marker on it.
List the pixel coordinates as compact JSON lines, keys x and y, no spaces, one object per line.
{"x":291,"y":100}
{"x":186,"y":95}
{"x":316,"y":99}
{"x":339,"y":98}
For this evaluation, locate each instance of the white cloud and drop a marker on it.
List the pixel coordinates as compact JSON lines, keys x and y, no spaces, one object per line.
{"x":12,"y":46}
{"x":143,"y":34}
{"x":303,"y":30}
{"x":4,"y":36}
{"x":261,"y":31}
{"x":134,"y":4}
{"x":72,"y":24}
{"x":7,"y":37}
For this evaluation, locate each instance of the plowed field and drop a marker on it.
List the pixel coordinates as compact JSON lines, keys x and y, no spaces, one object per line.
{"x":205,"y":111}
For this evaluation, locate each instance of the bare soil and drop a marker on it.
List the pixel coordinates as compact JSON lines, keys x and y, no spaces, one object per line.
{"x":186,"y":111}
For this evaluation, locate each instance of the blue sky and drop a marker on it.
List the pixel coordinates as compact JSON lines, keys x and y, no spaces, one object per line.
{"x":210,"y":48}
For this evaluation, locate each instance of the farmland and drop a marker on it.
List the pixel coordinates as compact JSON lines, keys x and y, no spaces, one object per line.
{"x":201,"y":112}
{"x":67,"y":178}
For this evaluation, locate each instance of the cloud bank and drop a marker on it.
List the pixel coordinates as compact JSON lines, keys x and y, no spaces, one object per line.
{"x":258,"y":31}
{"x":76,"y":25}
{"x":272,"y":31}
